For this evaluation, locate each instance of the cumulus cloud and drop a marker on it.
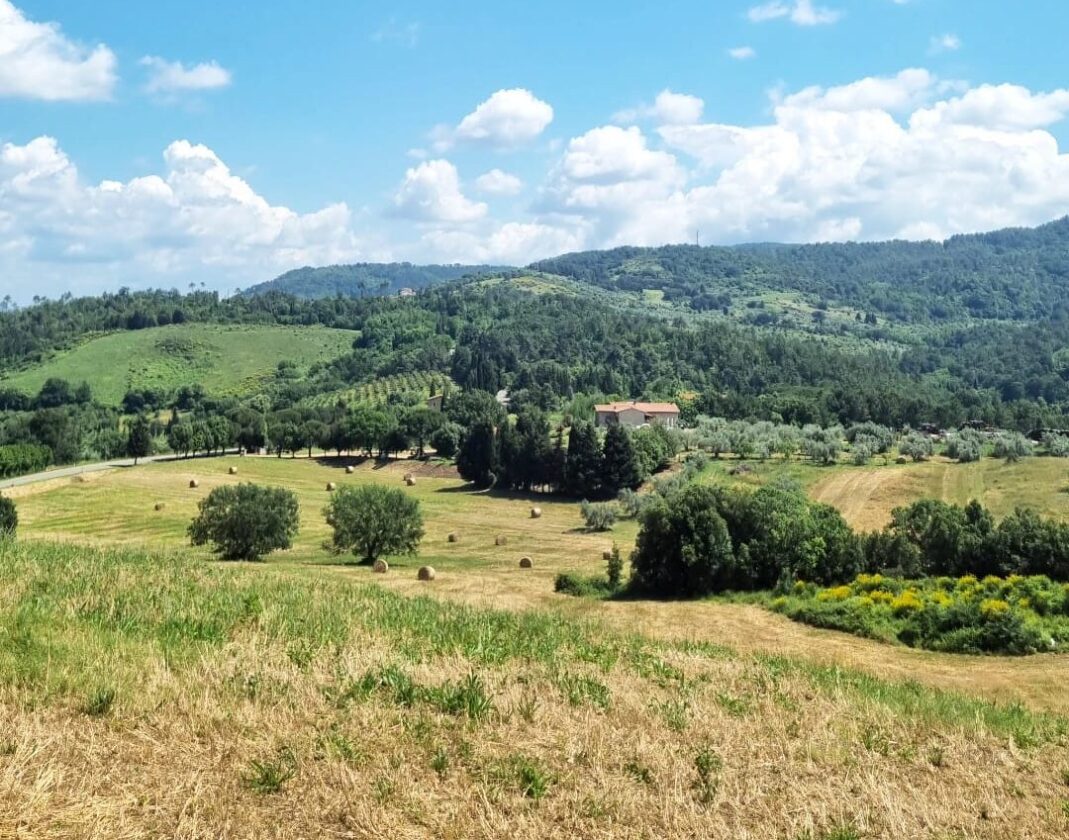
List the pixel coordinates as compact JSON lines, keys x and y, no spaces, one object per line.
{"x":173,"y":76}
{"x":800,"y":12}
{"x":509,"y":118}
{"x":194,"y":216}
{"x":669,"y":108}
{"x":430,"y":192}
{"x":742,"y":53}
{"x":498,"y":182}
{"x":872,"y":159}
{"x":37,"y":61}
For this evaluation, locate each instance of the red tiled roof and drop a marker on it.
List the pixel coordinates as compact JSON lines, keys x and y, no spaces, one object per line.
{"x":645,"y":408}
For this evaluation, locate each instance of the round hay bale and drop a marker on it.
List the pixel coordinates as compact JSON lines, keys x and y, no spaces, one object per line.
{"x":501,"y":539}
{"x":160,"y":506}
{"x":350,"y":470}
{"x":425,"y":573}
{"x":606,"y":555}
{"x":331,"y":486}
{"x":233,"y":470}
{"x":381,"y":567}
{"x":453,"y":537}
{"x":193,"y":484}
{"x":410,"y":481}
{"x":901,"y":459}
{"x":409,"y":477}
{"x":526,"y":563}
{"x":536,"y":513}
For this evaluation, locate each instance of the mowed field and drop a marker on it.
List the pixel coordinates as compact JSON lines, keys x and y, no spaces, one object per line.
{"x":118,"y":508}
{"x":147,"y":690}
{"x":226,"y":360}
{"x":866,"y":496}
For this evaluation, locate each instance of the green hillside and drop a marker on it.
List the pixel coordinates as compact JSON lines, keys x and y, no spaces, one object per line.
{"x":226,"y":360}
{"x":365,"y":279}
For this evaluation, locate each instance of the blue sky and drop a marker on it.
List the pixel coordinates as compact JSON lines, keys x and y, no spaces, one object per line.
{"x":163,"y":143}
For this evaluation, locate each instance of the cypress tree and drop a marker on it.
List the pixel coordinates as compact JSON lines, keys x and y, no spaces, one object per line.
{"x":620,"y":466}
{"x":479,"y":458}
{"x":582,"y":468}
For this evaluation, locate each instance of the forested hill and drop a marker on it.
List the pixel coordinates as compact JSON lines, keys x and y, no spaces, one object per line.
{"x":365,"y":279}
{"x":1019,"y":274}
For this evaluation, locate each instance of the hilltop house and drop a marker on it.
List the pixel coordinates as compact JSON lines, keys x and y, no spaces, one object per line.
{"x":637,"y":414}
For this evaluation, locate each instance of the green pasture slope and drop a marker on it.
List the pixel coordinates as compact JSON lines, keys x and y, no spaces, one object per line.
{"x":226,"y":360}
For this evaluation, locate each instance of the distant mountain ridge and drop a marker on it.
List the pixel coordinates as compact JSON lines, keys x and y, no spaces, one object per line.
{"x":1019,"y":274}
{"x":366,"y":279}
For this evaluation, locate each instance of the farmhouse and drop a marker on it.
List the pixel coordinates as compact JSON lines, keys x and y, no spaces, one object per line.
{"x":637,"y":414}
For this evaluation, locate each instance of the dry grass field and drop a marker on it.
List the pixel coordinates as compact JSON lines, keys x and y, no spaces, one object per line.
{"x":147,"y":691}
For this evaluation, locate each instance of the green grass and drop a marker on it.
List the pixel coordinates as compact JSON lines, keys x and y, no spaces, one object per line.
{"x":226,"y":360}
{"x":73,"y":614}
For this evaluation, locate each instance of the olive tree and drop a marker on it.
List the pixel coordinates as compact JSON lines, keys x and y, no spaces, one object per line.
{"x":246,"y":521}
{"x":372,"y":521}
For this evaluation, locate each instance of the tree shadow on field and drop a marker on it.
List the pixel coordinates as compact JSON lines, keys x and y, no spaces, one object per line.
{"x":500,"y":493}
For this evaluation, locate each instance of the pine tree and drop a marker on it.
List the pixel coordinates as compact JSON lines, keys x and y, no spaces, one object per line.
{"x":620,"y":468}
{"x":582,"y":468}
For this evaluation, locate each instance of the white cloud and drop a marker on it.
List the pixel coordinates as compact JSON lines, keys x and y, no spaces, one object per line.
{"x":406,"y":34}
{"x":948,"y":42}
{"x":512,"y":243}
{"x":742,"y":53}
{"x":498,"y":182}
{"x":997,"y":107}
{"x":669,"y":108}
{"x":196,"y":219}
{"x":800,"y":12}
{"x":905,"y":90}
{"x":173,"y":76}
{"x":509,"y":118}
{"x":37,"y":61}
{"x":430,"y":192}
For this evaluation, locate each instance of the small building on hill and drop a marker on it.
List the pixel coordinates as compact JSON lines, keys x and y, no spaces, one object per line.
{"x":635,"y":414}
{"x":406,"y":292}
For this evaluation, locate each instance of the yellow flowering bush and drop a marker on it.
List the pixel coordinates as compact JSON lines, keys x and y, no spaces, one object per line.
{"x":838,"y":593}
{"x":992,"y":608}
{"x":906,"y":602}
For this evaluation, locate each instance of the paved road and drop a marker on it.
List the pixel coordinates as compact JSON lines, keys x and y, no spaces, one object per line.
{"x":69,"y":472}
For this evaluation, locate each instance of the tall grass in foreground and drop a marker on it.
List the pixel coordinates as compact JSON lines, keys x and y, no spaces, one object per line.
{"x":81,"y":622}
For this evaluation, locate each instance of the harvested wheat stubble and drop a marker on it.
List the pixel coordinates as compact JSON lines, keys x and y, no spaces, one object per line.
{"x":426,"y":573}
{"x":381,"y":567}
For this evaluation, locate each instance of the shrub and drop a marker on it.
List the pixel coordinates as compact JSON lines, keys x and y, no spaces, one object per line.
{"x":630,"y":502}
{"x":683,"y":546}
{"x":446,"y":440}
{"x":1056,"y":445}
{"x":371,"y":521}
{"x":614,"y":567}
{"x":9,"y":517}
{"x":599,"y":516}
{"x":1013,"y":615}
{"x":246,"y":521}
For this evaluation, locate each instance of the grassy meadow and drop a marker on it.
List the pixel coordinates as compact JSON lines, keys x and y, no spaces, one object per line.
{"x":226,"y":360}
{"x":151,"y":695}
{"x":149,"y":690}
